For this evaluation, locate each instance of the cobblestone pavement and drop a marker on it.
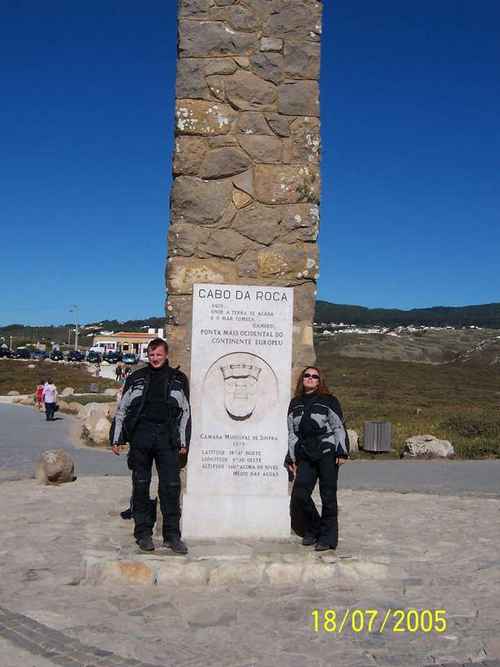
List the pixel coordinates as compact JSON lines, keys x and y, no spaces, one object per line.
{"x":417,"y":551}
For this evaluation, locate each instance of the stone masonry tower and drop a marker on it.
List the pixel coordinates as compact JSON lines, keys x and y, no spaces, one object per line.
{"x":245,"y":196}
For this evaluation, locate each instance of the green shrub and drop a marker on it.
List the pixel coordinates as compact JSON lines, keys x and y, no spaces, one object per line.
{"x":470,"y":426}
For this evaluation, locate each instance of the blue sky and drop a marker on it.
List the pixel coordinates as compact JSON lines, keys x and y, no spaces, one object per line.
{"x":411,"y":155}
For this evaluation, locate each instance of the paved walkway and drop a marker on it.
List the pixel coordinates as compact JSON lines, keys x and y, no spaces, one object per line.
{"x":24,"y":434}
{"x":414,"y":551}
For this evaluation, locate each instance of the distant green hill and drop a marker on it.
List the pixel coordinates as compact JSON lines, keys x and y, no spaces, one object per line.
{"x":486,"y":315}
{"x":26,"y":335}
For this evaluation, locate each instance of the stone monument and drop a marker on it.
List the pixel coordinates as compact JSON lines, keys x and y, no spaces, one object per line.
{"x":240,"y":389}
{"x":242,"y":253}
{"x":245,"y":195}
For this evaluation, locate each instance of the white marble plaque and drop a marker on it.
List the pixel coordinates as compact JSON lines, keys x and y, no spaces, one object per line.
{"x":240,"y":389}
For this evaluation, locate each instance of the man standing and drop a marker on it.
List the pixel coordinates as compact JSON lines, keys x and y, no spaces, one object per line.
{"x":49,"y":396}
{"x":154,"y":417}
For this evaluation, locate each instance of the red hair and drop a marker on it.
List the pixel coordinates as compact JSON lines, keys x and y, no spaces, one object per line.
{"x":322,"y":386}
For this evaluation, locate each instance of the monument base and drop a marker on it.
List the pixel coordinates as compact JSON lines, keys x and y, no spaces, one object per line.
{"x":256,"y":517}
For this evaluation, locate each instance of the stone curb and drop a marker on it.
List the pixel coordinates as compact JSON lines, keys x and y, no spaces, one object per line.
{"x":273,"y":569}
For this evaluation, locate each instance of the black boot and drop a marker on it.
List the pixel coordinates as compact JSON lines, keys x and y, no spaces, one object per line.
{"x":146,"y":543}
{"x":177,"y":545}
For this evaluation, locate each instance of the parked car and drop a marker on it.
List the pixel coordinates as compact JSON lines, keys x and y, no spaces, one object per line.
{"x":76,"y":355}
{"x":22,"y":353}
{"x":5,"y":352}
{"x":39,"y":355}
{"x":94,"y":357}
{"x":56,"y":355}
{"x":112,"y":357}
{"x":130,"y":358}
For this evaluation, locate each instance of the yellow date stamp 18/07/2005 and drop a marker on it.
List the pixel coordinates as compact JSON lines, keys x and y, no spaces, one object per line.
{"x":373,"y":620}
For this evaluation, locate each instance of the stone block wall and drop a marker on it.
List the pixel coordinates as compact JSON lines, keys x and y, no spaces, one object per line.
{"x":245,"y":195}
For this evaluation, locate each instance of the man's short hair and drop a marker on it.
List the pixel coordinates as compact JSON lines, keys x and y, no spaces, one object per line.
{"x":157,"y":342}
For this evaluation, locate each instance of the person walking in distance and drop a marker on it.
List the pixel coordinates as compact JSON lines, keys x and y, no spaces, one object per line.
{"x":39,"y":394}
{"x":318,"y":446}
{"x":49,"y":396}
{"x":154,"y":417}
{"x":118,"y":371}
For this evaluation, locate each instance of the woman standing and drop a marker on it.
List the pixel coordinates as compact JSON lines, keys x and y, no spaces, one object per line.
{"x":317,"y":446}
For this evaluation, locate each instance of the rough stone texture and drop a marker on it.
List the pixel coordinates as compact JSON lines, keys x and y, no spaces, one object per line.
{"x":199,"y":202}
{"x":428,"y":446}
{"x":246,"y":91}
{"x":224,"y":162}
{"x":188,"y":155}
{"x":212,"y":38}
{"x":203,"y":118}
{"x":299,"y":98}
{"x":286,"y":184}
{"x":263,"y":149}
{"x":67,"y":391}
{"x":244,"y":203}
{"x":55,"y":467}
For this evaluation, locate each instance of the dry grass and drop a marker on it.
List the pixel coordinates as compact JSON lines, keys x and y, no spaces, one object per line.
{"x":451,"y":401}
{"x":15,"y":375}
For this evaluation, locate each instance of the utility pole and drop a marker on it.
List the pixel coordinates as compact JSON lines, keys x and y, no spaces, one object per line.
{"x":74,"y":309}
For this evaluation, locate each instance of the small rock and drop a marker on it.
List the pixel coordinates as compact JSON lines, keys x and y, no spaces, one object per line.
{"x":55,"y":466}
{"x":67,"y":391}
{"x":13,"y":393}
{"x":427,"y":446}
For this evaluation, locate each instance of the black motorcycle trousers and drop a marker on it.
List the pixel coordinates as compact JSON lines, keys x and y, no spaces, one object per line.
{"x":151,"y":443}
{"x":326,"y":470}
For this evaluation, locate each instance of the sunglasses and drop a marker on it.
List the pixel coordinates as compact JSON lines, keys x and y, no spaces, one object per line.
{"x":311,"y":375}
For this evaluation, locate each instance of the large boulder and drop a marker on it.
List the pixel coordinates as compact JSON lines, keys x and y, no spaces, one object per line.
{"x":55,"y":466}
{"x":63,"y":405}
{"x":25,"y":400}
{"x":427,"y":446}
{"x":94,"y":411}
{"x":353,"y":440}
{"x":13,"y":393}
{"x":97,"y":422}
{"x":67,"y":391}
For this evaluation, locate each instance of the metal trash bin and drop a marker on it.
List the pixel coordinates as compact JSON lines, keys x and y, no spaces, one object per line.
{"x":377,"y":436}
